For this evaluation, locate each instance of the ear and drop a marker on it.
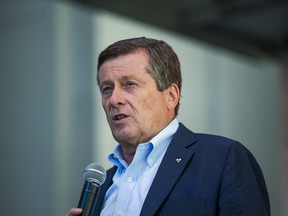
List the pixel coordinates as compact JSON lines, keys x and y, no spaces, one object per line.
{"x":173,"y":95}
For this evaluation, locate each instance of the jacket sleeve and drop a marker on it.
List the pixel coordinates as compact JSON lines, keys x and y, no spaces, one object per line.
{"x":243,"y":190}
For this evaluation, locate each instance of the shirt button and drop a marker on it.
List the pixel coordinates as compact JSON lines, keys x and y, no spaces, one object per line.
{"x":119,"y":213}
{"x":129,"y":180}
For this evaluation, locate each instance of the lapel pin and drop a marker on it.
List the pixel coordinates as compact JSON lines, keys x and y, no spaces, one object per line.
{"x":178,"y":160}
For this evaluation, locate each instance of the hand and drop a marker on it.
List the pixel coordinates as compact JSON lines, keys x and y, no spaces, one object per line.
{"x":74,"y":212}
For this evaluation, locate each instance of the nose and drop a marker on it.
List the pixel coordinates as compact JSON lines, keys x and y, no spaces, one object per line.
{"x":117,"y":97}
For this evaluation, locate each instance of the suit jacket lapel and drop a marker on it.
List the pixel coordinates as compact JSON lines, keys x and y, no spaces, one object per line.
{"x":175,"y":160}
{"x":101,"y":195}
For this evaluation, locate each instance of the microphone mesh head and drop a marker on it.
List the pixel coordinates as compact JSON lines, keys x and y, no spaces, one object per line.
{"x":96,"y":173}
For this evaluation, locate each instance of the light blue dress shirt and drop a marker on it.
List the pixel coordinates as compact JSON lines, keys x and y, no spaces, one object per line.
{"x":126,"y":195}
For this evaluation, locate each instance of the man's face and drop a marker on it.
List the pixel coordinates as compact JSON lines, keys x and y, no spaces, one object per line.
{"x":136,"y":111}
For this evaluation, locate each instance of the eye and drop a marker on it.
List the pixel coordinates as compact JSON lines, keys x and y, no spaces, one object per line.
{"x":106,"y":89}
{"x":129,"y":84}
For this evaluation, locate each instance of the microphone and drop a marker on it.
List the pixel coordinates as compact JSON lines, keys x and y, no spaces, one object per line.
{"x":94,"y":176}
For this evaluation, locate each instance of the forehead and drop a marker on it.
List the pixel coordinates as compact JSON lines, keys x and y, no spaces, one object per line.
{"x":125,"y":65}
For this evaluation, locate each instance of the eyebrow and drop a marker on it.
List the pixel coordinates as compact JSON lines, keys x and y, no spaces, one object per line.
{"x":126,"y":77}
{"x":122,"y":78}
{"x":105,"y":82}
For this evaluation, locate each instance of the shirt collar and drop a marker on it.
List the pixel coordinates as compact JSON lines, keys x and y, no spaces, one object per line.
{"x":159,"y":144}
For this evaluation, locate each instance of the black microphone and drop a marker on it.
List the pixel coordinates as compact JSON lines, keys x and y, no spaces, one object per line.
{"x":94,"y":176}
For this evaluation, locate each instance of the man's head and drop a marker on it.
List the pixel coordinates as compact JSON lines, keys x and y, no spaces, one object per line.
{"x":140,"y":89}
{"x":164,"y":65}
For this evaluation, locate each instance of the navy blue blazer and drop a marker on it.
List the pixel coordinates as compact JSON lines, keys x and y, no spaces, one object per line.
{"x":203,"y":174}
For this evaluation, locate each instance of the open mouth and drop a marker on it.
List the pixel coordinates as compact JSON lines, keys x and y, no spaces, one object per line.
{"x":119,"y":117}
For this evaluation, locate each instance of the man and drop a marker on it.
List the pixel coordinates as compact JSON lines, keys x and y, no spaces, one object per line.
{"x":161,"y":167}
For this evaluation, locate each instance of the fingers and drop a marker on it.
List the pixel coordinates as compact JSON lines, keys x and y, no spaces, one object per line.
{"x":74,"y":212}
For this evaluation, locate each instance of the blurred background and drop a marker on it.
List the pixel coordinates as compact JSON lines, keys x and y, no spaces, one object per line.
{"x":235,"y":83}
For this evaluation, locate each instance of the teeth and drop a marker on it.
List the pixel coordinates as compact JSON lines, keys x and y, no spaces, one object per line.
{"x":121,"y":116}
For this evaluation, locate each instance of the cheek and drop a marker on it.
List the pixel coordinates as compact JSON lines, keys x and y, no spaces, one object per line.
{"x":151,"y":107}
{"x":105,"y":107}
{"x":146,"y":104}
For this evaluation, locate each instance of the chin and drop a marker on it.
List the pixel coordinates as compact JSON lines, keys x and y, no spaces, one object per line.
{"x":121,"y":137}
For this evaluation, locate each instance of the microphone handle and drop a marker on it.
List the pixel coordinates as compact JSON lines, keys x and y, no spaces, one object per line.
{"x":88,"y":196}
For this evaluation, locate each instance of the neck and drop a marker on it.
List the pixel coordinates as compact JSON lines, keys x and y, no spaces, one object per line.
{"x":128,"y":153}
